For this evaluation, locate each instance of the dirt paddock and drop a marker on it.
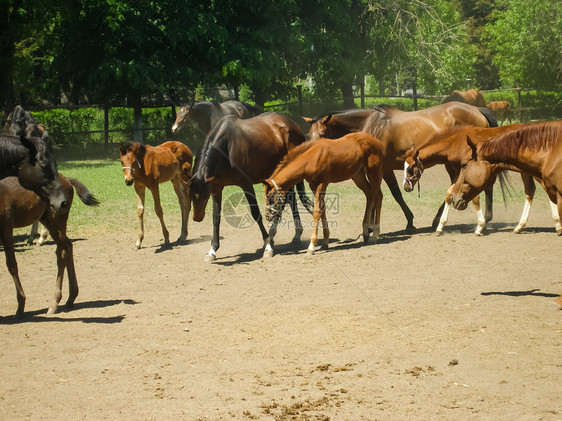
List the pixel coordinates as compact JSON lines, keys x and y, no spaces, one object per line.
{"x":412,"y":327}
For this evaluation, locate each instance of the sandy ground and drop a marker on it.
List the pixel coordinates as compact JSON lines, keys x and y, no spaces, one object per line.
{"x":412,"y":327}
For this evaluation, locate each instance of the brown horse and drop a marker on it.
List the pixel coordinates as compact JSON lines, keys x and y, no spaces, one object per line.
{"x":242,"y":153}
{"x":444,"y":148}
{"x":356,"y":156}
{"x":501,"y":110}
{"x":398,"y":131}
{"x":207,"y":113}
{"x":147,"y":167}
{"x":534,"y":149}
{"x":471,"y":97}
{"x":20,"y":207}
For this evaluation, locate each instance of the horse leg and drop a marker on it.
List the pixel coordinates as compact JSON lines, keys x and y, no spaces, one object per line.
{"x":445,"y":214}
{"x":12,"y":265}
{"x":250,"y":194}
{"x":140,"y":190}
{"x":316,"y":215}
{"x":361,"y":181}
{"x":440,"y":219}
{"x":215,"y":242}
{"x":292,"y":199}
{"x":65,"y":260}
{"x":481,"y":220}
{"x":33,"y":233}
{"x":530,"y":188}
{"x":489,"y":213}
{"x":184,"y":203}
{"x":160,"y":213}
{"x":392,"y":184}
{"x":557,"y":213}
{"x":43,"y":236}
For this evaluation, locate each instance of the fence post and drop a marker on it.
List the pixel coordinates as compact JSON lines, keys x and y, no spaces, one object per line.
{"x":106,"y":127}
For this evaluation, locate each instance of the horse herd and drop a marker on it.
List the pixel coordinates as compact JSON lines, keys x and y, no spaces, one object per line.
{"x":243,"y":149}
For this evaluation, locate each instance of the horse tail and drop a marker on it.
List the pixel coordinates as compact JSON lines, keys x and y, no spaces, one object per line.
{"x":505,"y":185}
{"x":308,"y":204}
{"x":83,"y":193}
{"x":486,"y":112}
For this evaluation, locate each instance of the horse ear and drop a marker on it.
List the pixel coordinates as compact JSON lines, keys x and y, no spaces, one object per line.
{"x":308,"y":120}
{"x":327,"y":118}
{"x":123,"y":149}
{"x":472,"y":146}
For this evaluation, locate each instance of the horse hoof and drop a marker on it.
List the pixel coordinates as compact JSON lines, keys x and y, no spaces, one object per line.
{"x":439,"y":233}
{"x":310,"y":252}
{"x":51,"y":311}
{"x":268,"y":253}
{"x":209,"y":258}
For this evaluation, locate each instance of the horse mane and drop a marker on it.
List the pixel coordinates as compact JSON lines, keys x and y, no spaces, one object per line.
{"x":207,"y":154}
{"x":376,"y":119}
{"x":532,"y":137}
{"x":292,"y":154}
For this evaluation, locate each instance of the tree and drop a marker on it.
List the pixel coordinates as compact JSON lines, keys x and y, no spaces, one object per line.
{"x":528,"y":39}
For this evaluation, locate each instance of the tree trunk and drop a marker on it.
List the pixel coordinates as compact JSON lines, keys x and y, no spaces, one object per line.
{"x":135,"y":101}
{"x":347,"y":93}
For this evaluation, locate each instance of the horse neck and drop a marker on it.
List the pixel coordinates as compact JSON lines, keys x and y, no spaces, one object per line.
{"x":517,"y":151}
{"x":289,"y":174}
{"x":435,"y":153}
{"x":12,"y":152}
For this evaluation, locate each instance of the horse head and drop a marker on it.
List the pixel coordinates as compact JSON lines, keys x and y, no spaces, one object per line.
{"x":182,"y":117}
{"x":318,"y":126}
{"x":39,"y":174}
{"x":199,"y":193}
{"x":275,"y":199}
{"x":132,"y":158}
{"x":413,"y":169}
{"x":475,"y":176}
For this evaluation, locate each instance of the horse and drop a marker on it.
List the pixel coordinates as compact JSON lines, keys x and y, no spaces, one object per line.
{"x":534,"y":149}
{"x":356,"y":156}
{"x":501,"y":110}
{"x":242,"y":153}
{"x":471,"y":97}
{"x":443,"y":148}
{"x":32,"y":162}
{"x":147,"y":167}
{"x":398,"y":131}
{"x":22,"y":121}
{"x":20,"y":207}
{"x":207,"y":113}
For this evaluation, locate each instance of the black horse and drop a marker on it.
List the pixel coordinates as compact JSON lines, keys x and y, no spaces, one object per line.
{"x":31,"y":160}
{"x":20,"y":121}
{"x":207,"y":113}
{"x":242,"y":153}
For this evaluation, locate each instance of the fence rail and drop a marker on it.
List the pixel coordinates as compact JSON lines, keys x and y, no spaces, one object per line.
{"x":138,"y":131}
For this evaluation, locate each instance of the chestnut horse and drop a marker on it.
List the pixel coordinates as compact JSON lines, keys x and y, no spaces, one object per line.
{"x":147,"y":167}
{"x":20,"y":207}
{"x":501,"y":110}
{"x":242,"y":153}
{"x":471,"y":97}
{"x":443,"y":148}
{"x":356,"y":156}
{"x":398,"y":131}
{"x":534,"y":149}
{"x":207,"y":113}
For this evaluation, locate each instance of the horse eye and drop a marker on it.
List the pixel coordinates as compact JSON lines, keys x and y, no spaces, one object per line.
{"x":463,"y":165}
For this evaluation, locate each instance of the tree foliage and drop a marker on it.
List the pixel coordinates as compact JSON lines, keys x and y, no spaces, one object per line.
{"x":114,"y":51}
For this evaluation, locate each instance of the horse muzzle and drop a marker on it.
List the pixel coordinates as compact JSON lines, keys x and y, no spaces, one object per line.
{"x":129,"y":181}
{"x":460,"y":203}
